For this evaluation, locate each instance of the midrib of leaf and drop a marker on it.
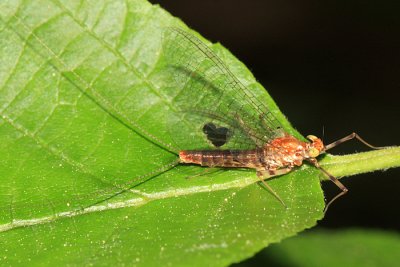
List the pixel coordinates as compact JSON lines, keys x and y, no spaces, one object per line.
{"x":340,"y":166}
{"x":142,"y":199}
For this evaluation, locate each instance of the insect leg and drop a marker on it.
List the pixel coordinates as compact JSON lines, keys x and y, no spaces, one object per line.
{"x":333,"y":179}
{"x":263,"y":174}
{"x":350,"y":137}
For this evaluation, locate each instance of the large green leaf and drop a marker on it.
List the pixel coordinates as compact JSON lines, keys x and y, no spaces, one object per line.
{"x":84,"y":117}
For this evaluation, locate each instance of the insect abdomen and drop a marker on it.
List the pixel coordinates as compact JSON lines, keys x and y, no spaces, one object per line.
{"x":222,"y":158}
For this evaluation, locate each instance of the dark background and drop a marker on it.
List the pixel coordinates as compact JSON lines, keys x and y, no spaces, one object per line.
{"x":327,"y":64}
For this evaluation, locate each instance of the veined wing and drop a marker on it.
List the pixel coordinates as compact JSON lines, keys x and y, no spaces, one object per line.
{"x":206,"y":92}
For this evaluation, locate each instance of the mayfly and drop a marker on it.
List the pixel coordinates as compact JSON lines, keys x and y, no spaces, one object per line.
{"x":232,"y":127}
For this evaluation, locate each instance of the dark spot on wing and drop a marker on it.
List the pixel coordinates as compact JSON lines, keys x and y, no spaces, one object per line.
{"x":218,"y":136}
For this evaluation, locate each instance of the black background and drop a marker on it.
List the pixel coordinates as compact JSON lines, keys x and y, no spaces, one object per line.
{"x":327,"y":64}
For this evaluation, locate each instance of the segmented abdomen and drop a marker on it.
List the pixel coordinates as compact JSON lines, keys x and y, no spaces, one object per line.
{"x":223,"y":158}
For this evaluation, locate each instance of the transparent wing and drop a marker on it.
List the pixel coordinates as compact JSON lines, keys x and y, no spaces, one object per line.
{"x":204,"y":91}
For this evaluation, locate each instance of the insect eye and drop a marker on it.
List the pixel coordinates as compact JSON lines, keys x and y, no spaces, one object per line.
{"x":313,"y":152}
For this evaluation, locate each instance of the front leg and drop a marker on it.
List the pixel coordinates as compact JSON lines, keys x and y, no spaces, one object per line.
{"x":264,"y":174}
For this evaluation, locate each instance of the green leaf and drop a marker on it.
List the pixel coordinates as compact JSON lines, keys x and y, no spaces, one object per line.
{"x":351,"y":247}
{"x":87,"y":166}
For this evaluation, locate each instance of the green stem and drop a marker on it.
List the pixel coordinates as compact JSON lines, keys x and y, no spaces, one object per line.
{"x":352,"y":164}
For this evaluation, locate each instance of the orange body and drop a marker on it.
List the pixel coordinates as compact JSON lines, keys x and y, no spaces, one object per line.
{"x":281,"y":152}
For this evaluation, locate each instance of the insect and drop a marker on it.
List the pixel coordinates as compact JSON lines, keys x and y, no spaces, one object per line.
{"x":233,"y":127}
